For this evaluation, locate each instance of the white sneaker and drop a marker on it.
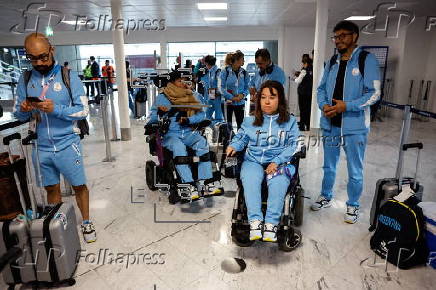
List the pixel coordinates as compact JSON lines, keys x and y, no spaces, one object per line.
{"x":88,"y":231}
{"x":352,"y":214}
{"x":321,"y":202}
{"x":255,"y":230}
{"x":189,"y":193}
{"x":215,"y":188}
{"x":270,"y":233}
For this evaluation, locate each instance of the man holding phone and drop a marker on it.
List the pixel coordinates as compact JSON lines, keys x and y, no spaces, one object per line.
{"x":46,"y":100}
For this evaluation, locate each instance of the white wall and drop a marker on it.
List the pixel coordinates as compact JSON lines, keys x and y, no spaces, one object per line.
{"x":431,"y":70}
{"x":414,"y":60}
{"x":297,"y":41}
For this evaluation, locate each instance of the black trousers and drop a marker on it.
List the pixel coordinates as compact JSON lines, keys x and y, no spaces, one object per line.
{"x":305,"y":106}
{"x":239,"y":114}
{"x":87,"y":85}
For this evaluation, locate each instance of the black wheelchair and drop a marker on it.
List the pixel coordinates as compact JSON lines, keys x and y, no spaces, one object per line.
{"x":288,"y":237}
{"x":164,"y":175}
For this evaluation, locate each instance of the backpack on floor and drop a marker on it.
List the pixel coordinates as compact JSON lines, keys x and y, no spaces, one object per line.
{"x":399,"y":235}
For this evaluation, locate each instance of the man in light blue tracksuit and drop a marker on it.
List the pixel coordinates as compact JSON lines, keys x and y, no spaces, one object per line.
{"x":179,"y":134}
{"x":345,"y":97}
{"x":211,"y":89}
{"x":234,"y":88}
{"x":267,"y":70}
{"x":55,"y":115}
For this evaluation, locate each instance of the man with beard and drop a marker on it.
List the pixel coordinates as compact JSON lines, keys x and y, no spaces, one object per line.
{"x":345,"y":95}
{"x":267,"y":70}
{"x":55,"y":111}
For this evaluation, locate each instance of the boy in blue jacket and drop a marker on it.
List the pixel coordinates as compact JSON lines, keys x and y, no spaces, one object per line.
{"x":345,"y":97}
{"x":271,"y":138}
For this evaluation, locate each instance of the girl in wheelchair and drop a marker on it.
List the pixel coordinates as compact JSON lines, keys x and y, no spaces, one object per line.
{"x":180,"y":134}
{"x":270,"y":137}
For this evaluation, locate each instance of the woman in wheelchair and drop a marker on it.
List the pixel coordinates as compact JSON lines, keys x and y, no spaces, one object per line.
{"x":180,"y":134}
{"x":270,"y":137}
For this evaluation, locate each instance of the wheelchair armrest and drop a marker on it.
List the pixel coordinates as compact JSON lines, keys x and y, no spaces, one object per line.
{"x":201,"y":125}
{"x":150,"y":128}
{"x":301,"y":154}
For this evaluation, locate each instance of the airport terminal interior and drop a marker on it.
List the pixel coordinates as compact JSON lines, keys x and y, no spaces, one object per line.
{"x":165,"y":212}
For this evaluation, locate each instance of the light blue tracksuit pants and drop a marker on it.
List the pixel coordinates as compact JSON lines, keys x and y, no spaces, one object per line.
{"x":216,"y":107}
{"x":354,"y":147}
{"x":177,"y":142}
{"x":252,"y":175}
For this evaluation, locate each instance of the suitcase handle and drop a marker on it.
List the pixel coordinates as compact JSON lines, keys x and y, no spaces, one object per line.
{"x":7,"y":140}
{"x":413,"y":145}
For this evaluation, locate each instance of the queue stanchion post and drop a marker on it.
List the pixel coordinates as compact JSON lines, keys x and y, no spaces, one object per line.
{"x":113,"y":117}
{"x":103,"y":104}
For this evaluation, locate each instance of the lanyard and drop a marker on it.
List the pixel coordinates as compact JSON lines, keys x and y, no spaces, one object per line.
{"x":237,"y":80}
{"x":47,"y":84}
{"x":209,"y":79}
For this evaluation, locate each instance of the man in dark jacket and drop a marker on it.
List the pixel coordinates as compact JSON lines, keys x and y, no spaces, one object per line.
{"x":95,"y":72}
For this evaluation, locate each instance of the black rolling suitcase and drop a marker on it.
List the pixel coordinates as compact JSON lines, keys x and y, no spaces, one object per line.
{"x":387,"y":188}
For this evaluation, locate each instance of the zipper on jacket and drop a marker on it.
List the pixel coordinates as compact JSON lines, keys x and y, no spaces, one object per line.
{"x":269,"y":134}
{"x":343,"y":99}
{"x":343,"y":89}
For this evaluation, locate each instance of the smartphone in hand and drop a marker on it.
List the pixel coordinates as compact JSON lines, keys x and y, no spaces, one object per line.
{"x":33,"y":99}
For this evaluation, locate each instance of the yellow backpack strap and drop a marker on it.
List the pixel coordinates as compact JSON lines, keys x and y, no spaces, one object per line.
{"x":412,"y":211}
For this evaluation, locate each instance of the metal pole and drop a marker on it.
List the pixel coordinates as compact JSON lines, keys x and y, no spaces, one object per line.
{"x":322,"y":16}
{"x":68,"y":190}
{"x":103,"y":106}
{"x":403,"y":139}
{"x":113,"y":119}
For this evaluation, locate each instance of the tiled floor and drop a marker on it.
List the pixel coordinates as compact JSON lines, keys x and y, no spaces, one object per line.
{"x":333,"y":255}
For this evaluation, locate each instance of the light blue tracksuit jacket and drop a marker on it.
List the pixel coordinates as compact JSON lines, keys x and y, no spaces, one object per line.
{"x":178,"y":137}
{"x":57,"y":129}
{"x":233,"y":84}
{"x":210,"y":81}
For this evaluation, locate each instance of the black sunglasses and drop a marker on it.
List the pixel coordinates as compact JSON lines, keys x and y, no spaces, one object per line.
{"x":42,"y":57}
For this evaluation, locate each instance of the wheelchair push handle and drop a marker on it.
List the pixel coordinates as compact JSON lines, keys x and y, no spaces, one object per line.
{"x":7,"y":140}
{"x":28,"y":140}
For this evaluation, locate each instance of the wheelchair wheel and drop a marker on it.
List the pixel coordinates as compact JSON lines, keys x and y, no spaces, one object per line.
{"x":291,"y":240}
{"x":299,"y":207}
{"x":149,"y":174}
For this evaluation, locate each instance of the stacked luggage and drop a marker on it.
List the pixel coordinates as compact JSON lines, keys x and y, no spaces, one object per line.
{"x":396,"y":217}
{"x":45,"y":237}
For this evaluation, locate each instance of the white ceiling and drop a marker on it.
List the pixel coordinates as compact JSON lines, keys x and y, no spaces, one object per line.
{"x":185,"y":12}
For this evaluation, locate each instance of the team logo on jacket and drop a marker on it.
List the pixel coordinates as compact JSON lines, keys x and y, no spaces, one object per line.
{"x":355,"y":71}
{"x":57,"y":87}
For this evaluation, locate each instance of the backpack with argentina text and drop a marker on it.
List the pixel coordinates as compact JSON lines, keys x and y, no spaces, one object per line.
{"x":82,"y":124}
{"x":399,"y":235}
